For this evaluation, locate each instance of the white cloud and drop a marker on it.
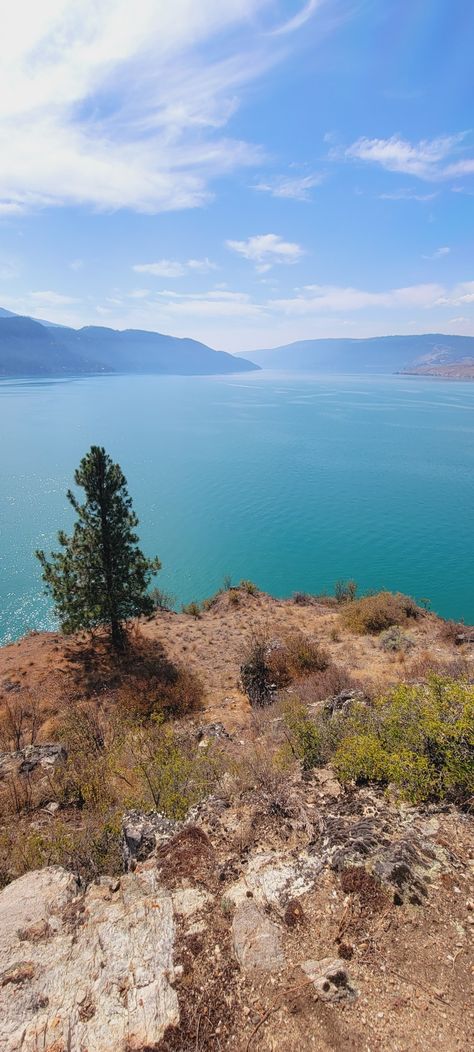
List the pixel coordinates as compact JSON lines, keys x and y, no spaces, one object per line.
{"x":425,"y":159}
{"x":172,"y":268}
{"x":408,"y":195}
{"x":76,"y":264}
{"x":8,"y":270}
{"x":112,"y":108}
{"x":293,"y":187}
{"x":52,"y":299}
{"x":266,"y":249}
{"x":439,"y":253}
{"x":165,"y":268}
{"x":333,"y":299}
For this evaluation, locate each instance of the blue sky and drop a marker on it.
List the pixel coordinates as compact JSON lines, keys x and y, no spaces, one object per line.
{"x":246,"y":172}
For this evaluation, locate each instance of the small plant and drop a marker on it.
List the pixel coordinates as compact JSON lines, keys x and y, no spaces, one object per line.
{"x":193,"y":609}
{"x":162,"y":600}
{"x":249,"y":587}
{"x":345,"y":591}
{"x":303,"y":599}
{"x":396,"y":640}
{"x":303,"y":735}
{"x":173,"y":775}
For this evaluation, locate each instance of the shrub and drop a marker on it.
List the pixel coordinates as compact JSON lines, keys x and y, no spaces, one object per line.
{"x":394,"y":639}
{"x":270,"y":665}
{"x":325,"y":684}
{"x":90,"y":850}
{"x":374,"y":613}
{"x":453,"y":632}
{"x":249,"y":587}
{"x":303,"y":599}
{"x":173,"y":775}
{"x":304,"y":735}
{"x":419,"y":737}
{"x":256,"y":674}
{"x":345,"y":591}
{"x":162,"y":600}
{"x":193,"y":609}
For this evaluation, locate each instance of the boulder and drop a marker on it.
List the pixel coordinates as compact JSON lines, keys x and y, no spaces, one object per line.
{"x":142,"y":833}
{"x":85,"y":970}
{"x":257,"y":940}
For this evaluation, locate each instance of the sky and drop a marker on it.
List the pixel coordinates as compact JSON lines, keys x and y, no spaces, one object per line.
{"x":244,"y":172}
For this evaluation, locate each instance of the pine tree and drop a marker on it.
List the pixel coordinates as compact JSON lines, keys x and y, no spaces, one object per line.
{"x":100,"y":577}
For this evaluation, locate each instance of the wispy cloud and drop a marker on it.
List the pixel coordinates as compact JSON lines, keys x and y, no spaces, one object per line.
{"x":172,"y":268}
{"x":294,"y":187}
{"x":408,"y":195}
{"x":313,"y":299}
{"x":264,"y":250}
{"x":109,"y":109}
{"x":299,"y":20}
{"x":52,"y":299}
{"x":439,"y":253}
{"x":426,"y":159}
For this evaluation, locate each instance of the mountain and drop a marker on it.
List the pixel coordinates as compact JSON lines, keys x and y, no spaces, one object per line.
{"x":32,"y":348}
{"x":379,"y":354}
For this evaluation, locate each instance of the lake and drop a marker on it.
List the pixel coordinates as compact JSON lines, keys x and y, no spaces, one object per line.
{"x":291,"y":481}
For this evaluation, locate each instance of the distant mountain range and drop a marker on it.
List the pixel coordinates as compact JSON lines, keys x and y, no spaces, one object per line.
{"x":37,"y":348}
{"x":429,"y":354}
{"x":33,"y":347}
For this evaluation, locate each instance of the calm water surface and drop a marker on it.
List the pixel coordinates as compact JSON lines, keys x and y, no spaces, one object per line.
{"x":291,"y":481}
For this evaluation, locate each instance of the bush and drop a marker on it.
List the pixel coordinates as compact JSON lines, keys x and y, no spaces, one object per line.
{"x":374,"y":613}
{"x":162,"y":600}
{"x":419,"y":737}
{"x":249,"y":587}
{"x":345,"y":591}
{"x":256,"y":674}
{"x":394,"y":639}
{"x":173,"y":776}
{"x":270,"y":665}
{"x":304,"y":735}
{"x":193,"y":609}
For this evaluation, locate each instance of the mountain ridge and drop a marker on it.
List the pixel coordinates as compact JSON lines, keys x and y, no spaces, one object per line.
{"x":379,"y":354}
{"x":29,"y":347}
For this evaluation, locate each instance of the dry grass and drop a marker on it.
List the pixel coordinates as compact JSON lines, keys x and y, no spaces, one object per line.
{"x":374,"y":613}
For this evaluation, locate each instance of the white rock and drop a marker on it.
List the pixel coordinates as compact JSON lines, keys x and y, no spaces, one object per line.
{"x":85,"y":971}
{"x":273,"y":878}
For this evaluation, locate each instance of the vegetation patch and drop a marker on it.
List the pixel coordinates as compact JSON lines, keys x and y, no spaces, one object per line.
{"x":374,"y":613}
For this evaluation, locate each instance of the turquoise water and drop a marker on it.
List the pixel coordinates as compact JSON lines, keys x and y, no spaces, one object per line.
{"x":291,"y":481}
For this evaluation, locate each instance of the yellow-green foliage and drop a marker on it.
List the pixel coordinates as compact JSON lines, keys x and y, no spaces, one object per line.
{"x":304,"y":735}
{"x":173,"y":776}
{"x":374,"y":613}
{"x":419,"y":738}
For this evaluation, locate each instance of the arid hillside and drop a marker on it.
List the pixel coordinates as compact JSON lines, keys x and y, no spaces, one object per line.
{"x":250,"y":832}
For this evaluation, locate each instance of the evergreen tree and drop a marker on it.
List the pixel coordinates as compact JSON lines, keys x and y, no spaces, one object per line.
{"x":100,"y":577}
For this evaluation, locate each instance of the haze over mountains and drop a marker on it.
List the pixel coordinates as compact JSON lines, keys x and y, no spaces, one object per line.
{"x":32,"y":347}
{"x":36,"y":348}
{"x":428,"y":354}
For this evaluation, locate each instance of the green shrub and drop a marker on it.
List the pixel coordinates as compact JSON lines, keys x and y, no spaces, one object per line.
{"x":374,"y":613}
{"x":304,"y":735}
{"x":193,"y":609}
{"x":396,"y":640}
{"x":249,"y":587}
{"x":419,"y":738}
{"x":345,"y":591}
{"x":173,"y":775}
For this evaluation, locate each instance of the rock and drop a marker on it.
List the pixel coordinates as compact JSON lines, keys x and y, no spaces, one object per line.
{"x":188,"y":901}
{"x":401,"y":857}
{"x":257,"y":940}
{"x":275,"y":879}
{"x":85,"y":970}
{"x":212,"y":731}
{"x":342,"y":702}
{"x":25,"y":761}
{"x":142,"y":833}
{"x":330,"y":979}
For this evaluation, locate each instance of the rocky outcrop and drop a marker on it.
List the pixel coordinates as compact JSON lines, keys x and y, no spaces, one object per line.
{"x":39,"y":758}
{"x":89,"y":970}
